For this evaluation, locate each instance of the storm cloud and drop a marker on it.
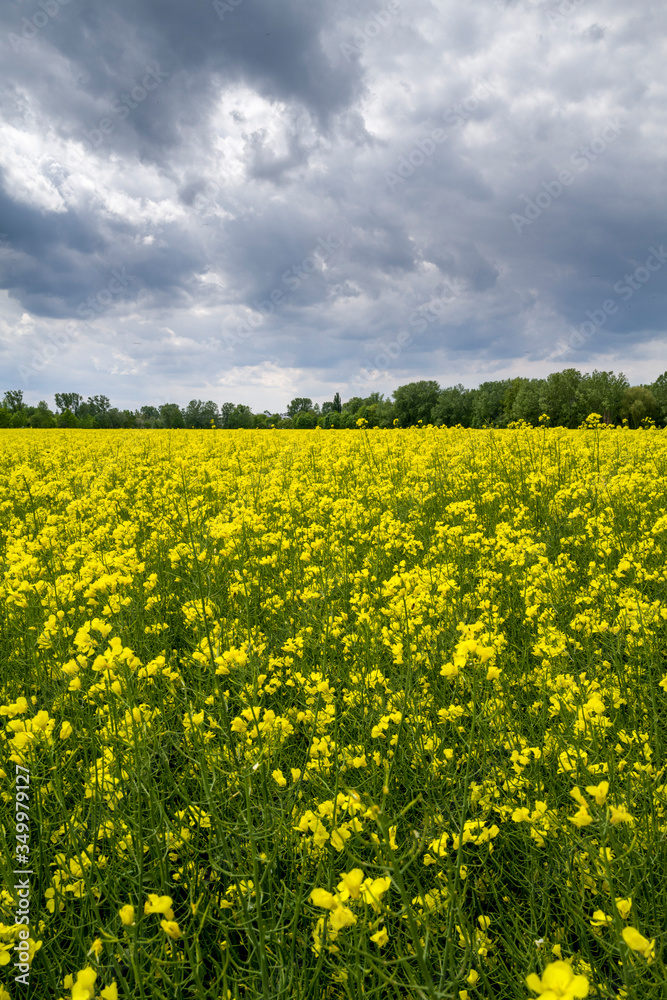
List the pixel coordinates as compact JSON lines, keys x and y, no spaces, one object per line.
{"x":247,"y":200}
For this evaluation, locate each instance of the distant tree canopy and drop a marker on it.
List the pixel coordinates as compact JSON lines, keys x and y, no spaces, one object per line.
{"x":68,"y":401}
{"x":200,"y":415}
{"x":171,"y":415}
{"x":236,"y":415}
{"x":415,"y":402}
{"x":13,"y":400}
{"x":564,"y":398}
{"x":302,"y":404}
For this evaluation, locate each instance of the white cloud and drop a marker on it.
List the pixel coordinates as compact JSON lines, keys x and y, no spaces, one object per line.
{"x":258,"y":143}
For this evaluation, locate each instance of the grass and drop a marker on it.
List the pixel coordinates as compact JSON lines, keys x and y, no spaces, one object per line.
{"x":354,"y":714}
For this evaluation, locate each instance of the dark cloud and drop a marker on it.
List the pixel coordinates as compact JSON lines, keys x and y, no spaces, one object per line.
{"x":207,"y":151}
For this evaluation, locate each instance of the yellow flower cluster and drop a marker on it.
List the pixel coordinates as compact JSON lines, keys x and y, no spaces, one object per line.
{"x":274,"y":671}
{"x":353,"y":887}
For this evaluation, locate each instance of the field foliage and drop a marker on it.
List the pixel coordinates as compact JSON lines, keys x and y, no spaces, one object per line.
{"x":358,"y":714}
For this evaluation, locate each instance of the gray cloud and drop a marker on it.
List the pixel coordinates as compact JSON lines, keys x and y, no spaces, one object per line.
{"x":265,"y":129}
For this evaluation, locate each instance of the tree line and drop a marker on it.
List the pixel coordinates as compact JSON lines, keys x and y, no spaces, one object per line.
{"x":564,"y":399}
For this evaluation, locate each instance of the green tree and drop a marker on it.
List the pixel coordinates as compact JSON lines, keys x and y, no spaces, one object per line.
{"x":331,"y":419}
{"x":226,"y":412}
{"x":639,"y":403}
{"x":98,"y":405}
{"x":242,"y":417}
{"x":84,"y":416}
{"x":68,"y":401}
{"x":353,"y":404}
{"x":199,"y":414}
{"x":512,"y":387}
{"x":488,"y":404}
{"x":234,"y":416}
{"x":66,"y":419}
{"x":337,"y":403}
{"x":526,"y":401}
{"x":602,"y":392}
{"x":416,"y":401}
{"x":13,"y":400}
{"x":149,"y":416}
{"x":374,"y":408}
{"x":659,"y":390}
{"x":305,"y":419}
{"x":376,"y":411}
{"x":171,"y":415}
{"x":42,"y":416}
{"x":561,"y":398}
{"x":383,"y":412}
{"x":111,"y":419}
{"x":453,"y":406}
{"x":299,"y":405}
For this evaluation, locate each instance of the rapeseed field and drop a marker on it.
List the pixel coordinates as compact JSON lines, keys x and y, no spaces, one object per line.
{"x":333,"y":714}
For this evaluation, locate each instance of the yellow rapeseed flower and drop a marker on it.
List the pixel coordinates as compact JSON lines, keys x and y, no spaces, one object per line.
{"x":84,"y":987}
{"x":341,"y":917}
{"x":578,"y":797}
{"x":159,"y":904}
{"x":582,"y":817}
{"x":320,"y":897}
{"x":373,"y":890}
{"x":96,"y":948}
{"x":350,"y":882}
{"x":380,"y":937}
{"x":558,"y":982}
{"x":171,"y":928}
{"x":126,"y":914}
{"x":639,"y":943}
{"x":599,"y":792}
{"x":620,"y":815}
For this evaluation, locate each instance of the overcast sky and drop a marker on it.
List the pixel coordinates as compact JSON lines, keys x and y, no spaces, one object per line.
{"x":248,"y":200}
